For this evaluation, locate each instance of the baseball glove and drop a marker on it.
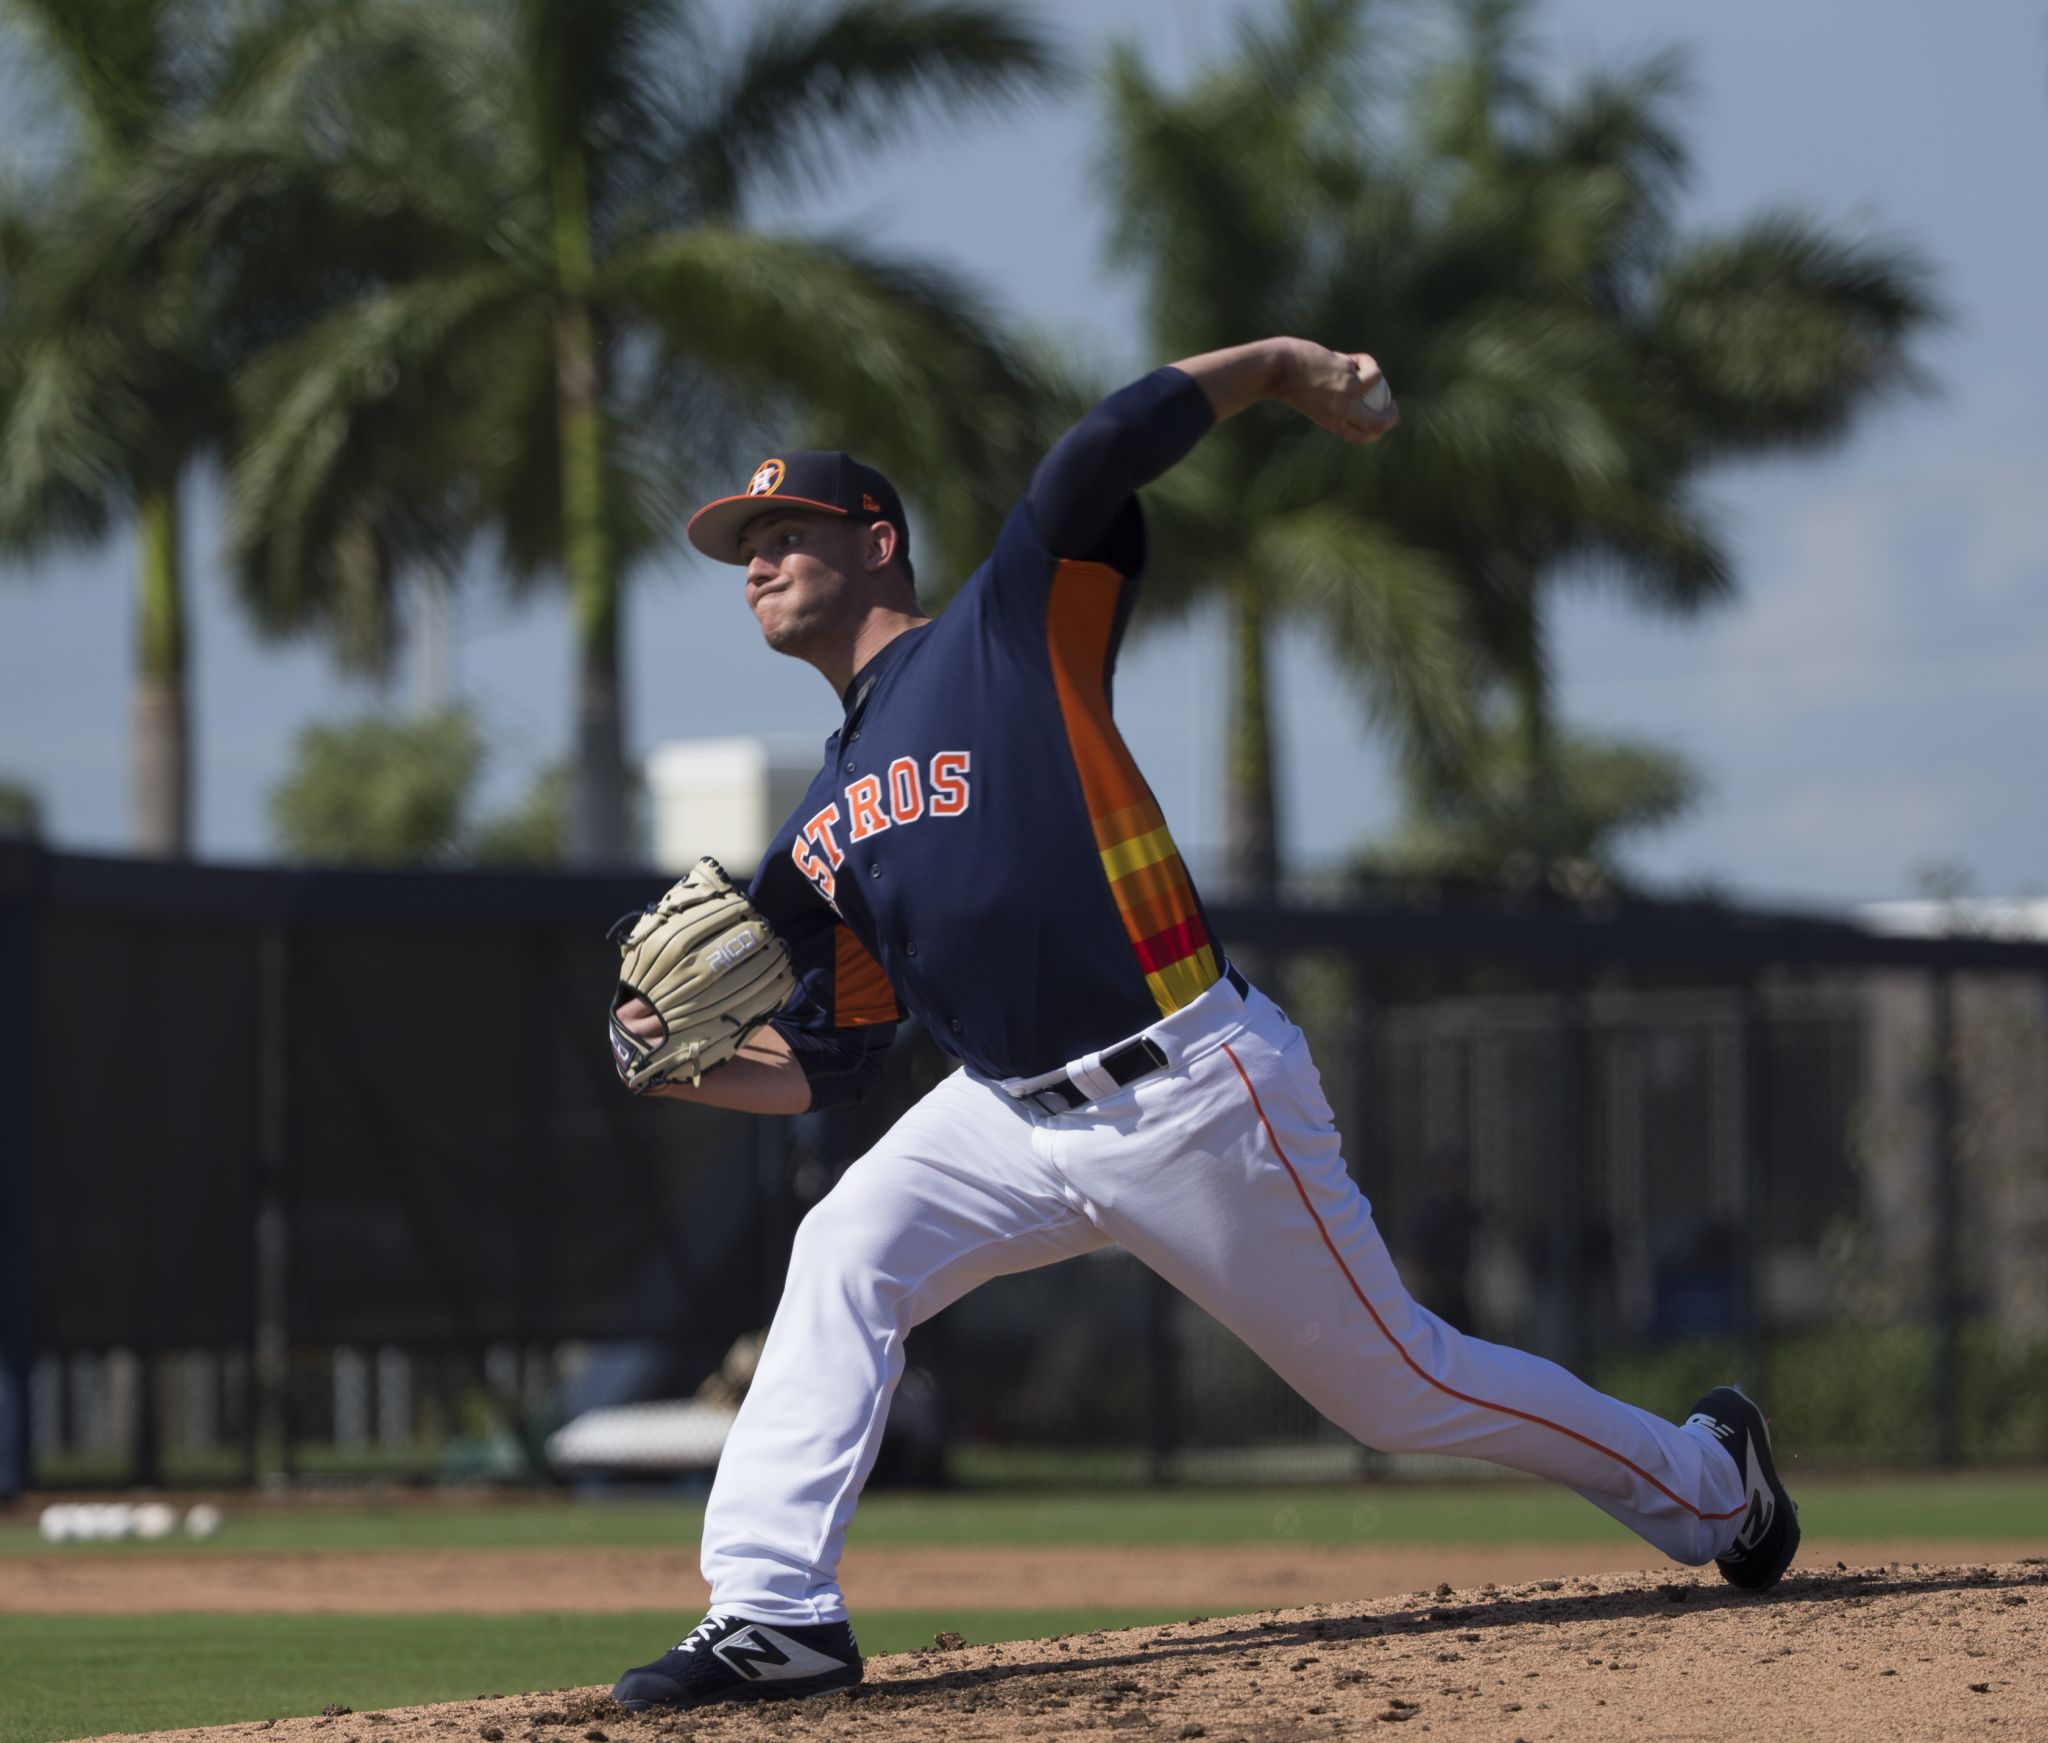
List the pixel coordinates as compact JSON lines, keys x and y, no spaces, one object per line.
{"x":709,"y":965}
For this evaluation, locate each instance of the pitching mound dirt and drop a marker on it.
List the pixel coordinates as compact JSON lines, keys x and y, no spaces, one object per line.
{"x":1860,"y":1654}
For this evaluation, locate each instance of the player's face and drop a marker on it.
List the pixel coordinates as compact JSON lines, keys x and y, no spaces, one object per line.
{"x":798,"y":578}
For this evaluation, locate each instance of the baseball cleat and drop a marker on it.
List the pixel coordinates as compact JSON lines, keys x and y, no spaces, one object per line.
{"x":728,"y":1658}
{"x":1769,"y":1534}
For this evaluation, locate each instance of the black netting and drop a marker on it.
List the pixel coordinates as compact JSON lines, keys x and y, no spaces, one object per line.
{"x":145,"y":1132}
{"x":363,"y":1196}
{"x":458,"y":1136}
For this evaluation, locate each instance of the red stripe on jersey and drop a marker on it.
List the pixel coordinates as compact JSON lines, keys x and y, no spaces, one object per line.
{"x":1165,"y":948}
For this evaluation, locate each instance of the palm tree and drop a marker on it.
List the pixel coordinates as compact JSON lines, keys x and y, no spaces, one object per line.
{"x":1567,"y":363}
{"x":1687,"y":349}
{"x":106,"y":394}
{"x":1223,"y":197}
{"x":564,"y":323}
{"x":119,"y":338}
{"x":1266,"y":198}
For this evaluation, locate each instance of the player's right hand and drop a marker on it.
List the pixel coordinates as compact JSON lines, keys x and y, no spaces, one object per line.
{"x":1329,"y":390}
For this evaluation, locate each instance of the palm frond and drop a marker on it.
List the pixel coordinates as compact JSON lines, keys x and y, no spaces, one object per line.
{"x":1783,"y":329}
{"x":63,"y":473}
{"x":103,"y":379}
{"x":1625,"y":122}
{"x":901,"y":362}
{"x":1478,"y":101}
{"x":1195,"y":537}
{"x":1205,"y":202}
{"x":807,"y":85}
{"x":1303,"y":46}
{"x":590,"y":77}
{"x":381,"y":154}
{"x":359,"y":452}
{"x":590,"y":58}
{"x":1657,"y":546}
{"x":1393,"y":618}
{"x":113,"y":59}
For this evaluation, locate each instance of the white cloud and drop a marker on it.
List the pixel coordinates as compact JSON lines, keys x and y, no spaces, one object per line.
{"x":1916,"y":588}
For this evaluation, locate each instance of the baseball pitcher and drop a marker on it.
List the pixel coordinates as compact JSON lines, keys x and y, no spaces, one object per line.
{"x":979,"y":848}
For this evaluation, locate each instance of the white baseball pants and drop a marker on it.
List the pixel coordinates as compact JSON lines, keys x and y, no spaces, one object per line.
{"x":1223,"y":1173}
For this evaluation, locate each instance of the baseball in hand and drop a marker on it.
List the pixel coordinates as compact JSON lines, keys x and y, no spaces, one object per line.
{"x":1379,"y":396}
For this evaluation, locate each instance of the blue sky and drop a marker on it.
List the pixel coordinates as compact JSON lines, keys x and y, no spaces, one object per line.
{"x":1877,"y":699}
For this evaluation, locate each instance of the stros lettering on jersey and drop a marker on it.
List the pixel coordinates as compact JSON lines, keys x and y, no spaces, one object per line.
{"x":979,"y":837}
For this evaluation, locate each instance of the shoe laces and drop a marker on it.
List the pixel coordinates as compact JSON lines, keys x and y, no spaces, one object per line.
{"x":701,"y":1633}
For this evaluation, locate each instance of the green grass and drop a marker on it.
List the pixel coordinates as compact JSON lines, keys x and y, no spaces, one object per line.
{"x":72,"y":1676}
{"x":81,"y":1676}
{"x":1961,"y":1507}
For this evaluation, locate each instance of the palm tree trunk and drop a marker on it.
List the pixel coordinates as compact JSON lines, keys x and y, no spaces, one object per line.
{"x":1532,"y":720}
{"x":597,"y":834}
{"x":163,"y":741}
{"x":1535,"y":736}
{"x":1251,"y":807}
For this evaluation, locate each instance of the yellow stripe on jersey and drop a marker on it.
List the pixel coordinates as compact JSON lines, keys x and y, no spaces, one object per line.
{"x":1181,"y":983}
{"x":1135,"y":855}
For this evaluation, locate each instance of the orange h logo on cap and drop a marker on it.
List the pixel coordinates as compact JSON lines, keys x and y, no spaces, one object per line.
{"x":767,"y":478}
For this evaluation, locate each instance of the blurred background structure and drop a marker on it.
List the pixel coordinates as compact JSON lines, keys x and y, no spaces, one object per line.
{"x":345,"y":341}
{"x":1660,"y":1143}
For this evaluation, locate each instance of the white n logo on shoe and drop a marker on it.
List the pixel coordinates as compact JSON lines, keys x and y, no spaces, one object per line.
{"x":760,"y":1654}
{"x":1762,"y":1507}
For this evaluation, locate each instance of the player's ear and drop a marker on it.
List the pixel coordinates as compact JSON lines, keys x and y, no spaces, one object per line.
{"x":878,"y":549}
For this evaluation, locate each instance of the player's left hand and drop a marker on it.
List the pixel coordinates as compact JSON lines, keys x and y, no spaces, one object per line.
{"x":640,"y":1020}
{"x":1330,"y":389}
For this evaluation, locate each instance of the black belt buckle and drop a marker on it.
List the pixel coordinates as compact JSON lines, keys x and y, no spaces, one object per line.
{"x":1139,"y":1058}
{"x":1133,"y":1060}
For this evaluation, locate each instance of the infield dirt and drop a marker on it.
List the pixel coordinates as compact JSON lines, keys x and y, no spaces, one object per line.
{"x":1217,"y":1578}
{"x":1838,"y":1653}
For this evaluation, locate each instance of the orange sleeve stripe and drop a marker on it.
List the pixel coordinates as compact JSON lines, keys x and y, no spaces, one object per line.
{"x":861,"y":994}
{"x":1128,"y":824}
{"x":1161,"y":913}
{"x":1080,"y":619}
{"x":1142,"y":865}
{"x":1162,"y":885}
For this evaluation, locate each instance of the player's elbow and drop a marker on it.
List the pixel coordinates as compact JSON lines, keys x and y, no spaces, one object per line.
{"x":842,"y":1066}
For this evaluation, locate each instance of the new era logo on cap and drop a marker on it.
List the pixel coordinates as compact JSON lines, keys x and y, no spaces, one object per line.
{"x":824,"y":481}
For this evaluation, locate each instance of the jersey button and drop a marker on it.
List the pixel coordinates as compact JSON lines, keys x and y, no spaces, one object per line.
{"x":849,"y":765}
{"x":874,"y":871}
{"x":909,"y":949}
{"x":956,"y":1025}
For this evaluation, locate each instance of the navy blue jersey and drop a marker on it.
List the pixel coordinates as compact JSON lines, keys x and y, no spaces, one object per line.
{"x":979,"y":846}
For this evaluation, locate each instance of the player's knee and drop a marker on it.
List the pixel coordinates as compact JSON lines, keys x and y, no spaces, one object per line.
{"x":837,"y":1247}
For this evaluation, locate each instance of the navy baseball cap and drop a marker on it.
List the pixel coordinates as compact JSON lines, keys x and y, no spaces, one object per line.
{"x":818,"y":480}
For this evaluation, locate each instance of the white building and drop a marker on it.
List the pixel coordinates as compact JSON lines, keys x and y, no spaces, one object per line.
{"x":724,"y":797}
